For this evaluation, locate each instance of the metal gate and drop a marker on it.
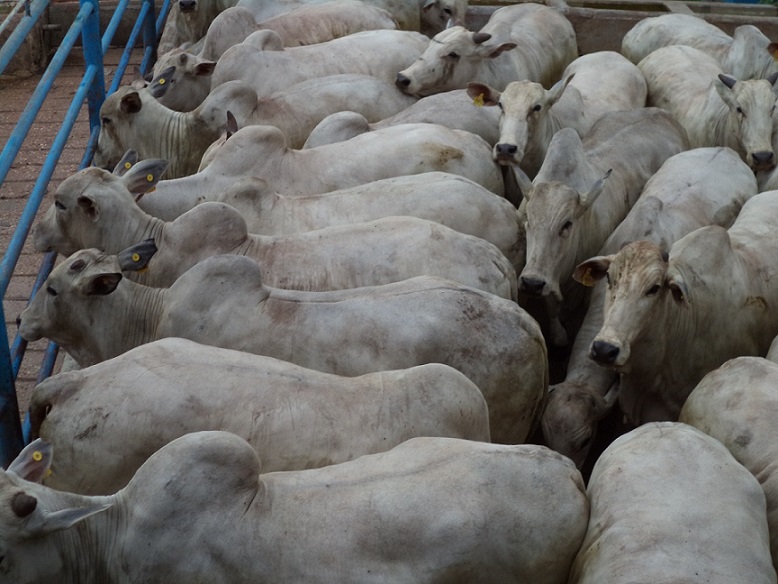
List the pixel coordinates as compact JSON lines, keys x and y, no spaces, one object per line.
{"x":86,"y":27}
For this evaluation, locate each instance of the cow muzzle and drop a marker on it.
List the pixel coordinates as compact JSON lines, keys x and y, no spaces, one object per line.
{"x":761,"y":161}
{"x":402,"y":82}
{"x":187,"y":5}
{"x":608,"y":354}
{"x":506,"y":153}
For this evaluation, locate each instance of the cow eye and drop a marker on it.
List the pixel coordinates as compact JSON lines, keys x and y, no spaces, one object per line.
{"x":499,"y":105}
{"x":453,"y":55}
{"x":105,"y":120}
{"x":448,"y":11}
{"x":537,"y":107}
{"x":739,"y":110}
{"x":59,"y":205}
{"x":653,"y":290}
{"x":566,"y":228}
{"x":51,"y":291}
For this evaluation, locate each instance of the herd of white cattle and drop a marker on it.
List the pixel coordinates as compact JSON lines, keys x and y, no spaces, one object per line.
{"x":350,"y":288}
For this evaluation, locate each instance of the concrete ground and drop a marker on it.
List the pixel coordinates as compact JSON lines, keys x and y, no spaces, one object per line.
{"x":14,"y":95}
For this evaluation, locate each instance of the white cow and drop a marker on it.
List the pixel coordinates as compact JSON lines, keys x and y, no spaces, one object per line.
{"x":94,"y":314}
{"x":453,"y":109}
{"x":670,"y":504}
{"x":525,"y":41}
{"x":748,"y":54}
{"x":380,"y":53}
{"x":295,"y":417}
{"x":431,"y":510}
{"x":94,"y":208}
{"x":437,"y":15}
{"x":736,"y":404}
{"x":188,"y":20}
{"x":261,"y":151}
{"x":717,"y":284}
{"x":583,"y":190}
{"x":716,"y":109}
{"x":133,"y":119}
{"x":695,"y":188}
{"x":530,"y":115}
{"x":449,"y":199}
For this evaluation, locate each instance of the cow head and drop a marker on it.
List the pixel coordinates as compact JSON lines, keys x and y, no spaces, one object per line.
{"x":93,"y":206}
{"x":553,"y":226}
{"x":181,"y":80}
{"x":524,"y":115}
{"x":116,"y":135}
{"x":437,"y":15}
{"x":570,"y":419}
{"x":452,"y":58}
{"x":638,"y":281}
{"x":30,"y":515}
{"x":751,"y":104}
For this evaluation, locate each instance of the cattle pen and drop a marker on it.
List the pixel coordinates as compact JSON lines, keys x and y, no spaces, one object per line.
{"x":59,"y":60}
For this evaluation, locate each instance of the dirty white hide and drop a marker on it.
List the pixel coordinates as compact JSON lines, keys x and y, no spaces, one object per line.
{"x":453,"y":109}
{"x":670,"y":504}
{"x":449,"y":199}
{"x":581,"y":193}
{"x":431,"y":510}
{"x":94,"y":314}
{"x":380,"y":53}
{"x":261,"y":151}
{"x":530,"y":115}
{"x":692,"y":189}
{"x":96,"y":209}
{"x":737,"y":404}
{"x":714,"y":108}
{"x":524,"y":41}
{"x":106,"y":420}
{"x":747,"y":54}
{"x":668,"y":321}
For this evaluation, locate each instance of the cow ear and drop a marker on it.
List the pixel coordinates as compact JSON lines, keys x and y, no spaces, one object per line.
{"x":126,"y":163}
{"x":558,"y":89}
{"x":102,"y":284}
{"x":89,"y":206}
{"x":131,"y":103}
{"x":500,"y":49}
{"x":33,"y":461}
{"x":204,"y":68}
{"x":159,"y":85}
{"x":678,"y":288}
{"x":586,"y":200}
{"x":45,"y":522}
{"x":772,"y":48}
{"x":137,"y":257}
{"x":482,"y":94}
{"x":144,"y":176}
{"x":592,"y":270}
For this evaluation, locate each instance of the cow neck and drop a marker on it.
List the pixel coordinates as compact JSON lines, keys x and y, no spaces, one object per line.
{"x":183,"y":139}
{"x":130,"y":319}
{"x":149,"y":227}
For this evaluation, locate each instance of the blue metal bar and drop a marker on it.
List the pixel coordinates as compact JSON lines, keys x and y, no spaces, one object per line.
{"x":93,"y":58}
{"x":163,"y":12}
{"x":14,"y":143}
{"x":17,"y":7}
{"x":116,"y":20}
{"x":132,"y":39}
{"x":39,"y":190}
{"x":16,"y":38}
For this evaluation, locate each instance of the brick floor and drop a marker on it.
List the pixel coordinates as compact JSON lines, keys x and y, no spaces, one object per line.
{"x":14,"y":95}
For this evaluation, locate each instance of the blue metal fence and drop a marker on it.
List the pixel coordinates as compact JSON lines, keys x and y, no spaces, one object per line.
{"x":85,"y":26}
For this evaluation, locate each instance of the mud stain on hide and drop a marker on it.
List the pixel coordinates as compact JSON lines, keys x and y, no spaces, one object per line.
{"x":756,"y":302}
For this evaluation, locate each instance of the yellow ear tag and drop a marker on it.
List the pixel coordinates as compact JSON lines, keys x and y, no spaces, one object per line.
{"x":136,"y":257}
{"x":161,"y":81}
{"x":479,"y":101}
{"x":127,"y":165}
{"x":37,"y":456}
{"x":587,"y":279}
{"x":150,"y":177}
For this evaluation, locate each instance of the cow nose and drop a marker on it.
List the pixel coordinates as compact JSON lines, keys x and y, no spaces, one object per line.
{"x":531,"y":286}
{"x":402,"y":81}
{"x":763,"y":159}
{"x":604,"y":353}
{"x":505,"y":149}
{"x":186,"y":5}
